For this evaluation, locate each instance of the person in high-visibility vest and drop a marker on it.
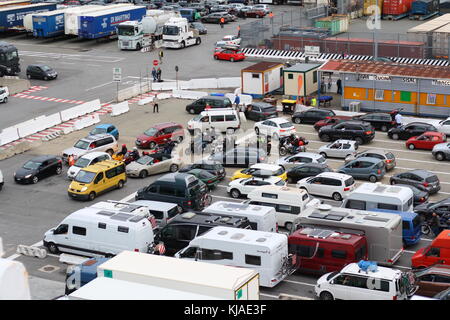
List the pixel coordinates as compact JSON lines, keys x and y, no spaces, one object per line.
{"x":314,"y":102}
{"x":71,"y":160}
{"x":222,"y":22}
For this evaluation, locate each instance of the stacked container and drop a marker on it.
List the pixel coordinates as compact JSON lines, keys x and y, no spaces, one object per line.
{"x":396,"y":7}
{"x":369,"y":3}
{"x":336,"y":23}
{"x":424,"y":7}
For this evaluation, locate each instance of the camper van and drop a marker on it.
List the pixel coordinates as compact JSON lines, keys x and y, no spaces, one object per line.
{"x":261,"y":218}
{"x":288,"y":202}
{"x":100,"y":232}
{"x":383,"y":231}
{"x":223,"y":119}
{"x":320,"y":250}
{"x":380,"y":196}
{"x":438,"y":252}
{"x":264,"y":252}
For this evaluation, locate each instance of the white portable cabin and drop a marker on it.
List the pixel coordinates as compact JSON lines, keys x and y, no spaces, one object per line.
{"x":215,"y":281}
{"x":262,"y":78}
{"x":380,"y":196}
{"x":261,"y":218}
{"x":96,"y":232}
{"x":383,"y":231}
{"x":265,"y":252}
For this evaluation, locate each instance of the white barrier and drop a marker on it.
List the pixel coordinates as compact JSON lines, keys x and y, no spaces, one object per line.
{"x":80,"y":110}
{"x":162,"y":96}
{"x":8,"y":135}
{"x":229,"y":82}
{"x":163,"y":86}
{"x":207,"y":83}
{"x":119,"y":108}
{"x":31,"y":251}
{"x":86,"y":122}
{"x":145,"y":101}
{"x":193,"y":95}
{"x":246,"y":99}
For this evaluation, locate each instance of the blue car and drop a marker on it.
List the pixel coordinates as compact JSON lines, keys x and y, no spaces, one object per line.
{"x":106,"y":128}
{"x":372,"y":169}
{"x":411,"y":225}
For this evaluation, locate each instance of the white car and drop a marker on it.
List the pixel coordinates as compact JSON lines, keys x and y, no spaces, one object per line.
{"x":444,"y":126}
{"x":4,"y":93}
{"x":328,"y":184}
{"x":1,"y":180}
{"x":264,"y":7}
{"x":231,"y":39}
{"x":86,"y":160}
{"x":289,"y":162}
{"x":275,"y":127}
{"x":339,"y":149}
{"x":237,"y":6}
{"x":240,"y":187}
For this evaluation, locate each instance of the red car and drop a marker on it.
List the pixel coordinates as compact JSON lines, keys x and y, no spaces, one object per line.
{"x":255,"y":13}
{"x":330,"y":121}
{"x":229,"y":54}
{"x":160,"y":134}
{"x":426,"y":141}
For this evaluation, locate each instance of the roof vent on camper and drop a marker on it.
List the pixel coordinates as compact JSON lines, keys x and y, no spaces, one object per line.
{"x":324,"y":207}
{"x":188,"y":215}
{"x":346,"y":236}
{"x":223,"y":232}
{"x":225,"y":219}
{"x":380,"y":189}
{"x":237,"y":236}
{"x":306,"y":231}
{"x":261,"y":239}
{"x":106,"y":213}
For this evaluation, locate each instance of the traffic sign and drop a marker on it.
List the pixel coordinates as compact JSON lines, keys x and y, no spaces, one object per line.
{"x":117,"y":74}
{"x":155,"y":62}
{"x":176,"y":68}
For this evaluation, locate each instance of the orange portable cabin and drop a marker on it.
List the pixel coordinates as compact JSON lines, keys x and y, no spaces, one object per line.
{"x":438,"y":252}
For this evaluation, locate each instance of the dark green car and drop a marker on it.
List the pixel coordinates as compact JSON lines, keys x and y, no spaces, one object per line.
{"x":206,"y":177}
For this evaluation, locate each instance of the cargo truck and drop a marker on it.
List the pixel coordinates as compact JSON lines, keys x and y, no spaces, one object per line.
{"x":102,"y":24}
{"x":177,"y":34}
{"x":134,"y":35}
{"x":191,"y":277}
{"x":12,"y":17}
{"x":9,"y":59}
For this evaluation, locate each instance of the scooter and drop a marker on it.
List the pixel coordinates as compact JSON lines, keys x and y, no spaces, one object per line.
{"x":286,"y":147}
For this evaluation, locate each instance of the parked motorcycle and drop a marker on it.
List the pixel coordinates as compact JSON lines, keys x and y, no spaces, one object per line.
{"x":286,"y":147}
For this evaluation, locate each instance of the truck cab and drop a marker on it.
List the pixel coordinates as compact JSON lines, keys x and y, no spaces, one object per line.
{"x":9,"y":59}
{"x":177,"y":34}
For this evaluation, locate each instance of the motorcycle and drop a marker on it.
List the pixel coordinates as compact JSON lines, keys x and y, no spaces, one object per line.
{"x":128,"y":158}
{"x":285,"y":147}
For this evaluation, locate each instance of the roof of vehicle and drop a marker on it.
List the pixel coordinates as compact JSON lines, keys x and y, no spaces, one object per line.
{"x":306,"y":154}
{"x":381,"y":273}
{"x":218,"y":111}
{"x":266,"y":166}
{"x":93,"y":155}
{"x":233,"y":207}
{"x":155,"y":204}
{"x":278,"y":120}
{"x":103,"y":165}
{"x":270,"y":179}
{"x":360,"y":122}
{"x":368,"y":159}
{"x":433,"y":133}
{"x":262,"y":105}
{"x":95,"y":137}
{"x":325,"y":235}
{"x":377,"y":151}
{"x":312,"y":164}
{"x":209,"y":219}
{"x":278,"y":189}
{"x":418,"y":122}
{"x":435,"y":269}
{"x":444,"y":236}
{"x":163,"y":125}
{"x":104,"y":125}
{"x":406,"y":215}
{"x":344,"y":141}
{"x":176,"y":176}
{"x":382,"y":190}
{"x":38,"y":65}
{"x":421,"y":173}
{"x":316,"y":109}
{"x":215,"y":97}
{"x":334,"y":175}
{"x":208,"y":162}
{"x":43,"y":158}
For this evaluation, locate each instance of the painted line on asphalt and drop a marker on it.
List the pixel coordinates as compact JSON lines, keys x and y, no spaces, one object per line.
{"x":99,"y":86}
{"x":300,"y":283}
{"x":268,"y":295}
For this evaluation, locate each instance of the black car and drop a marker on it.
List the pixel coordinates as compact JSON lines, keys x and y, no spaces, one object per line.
{"x":199,"y":105}
{"x":409,"y":130}
{"x":240,"y":157}
{"x":421,"y":195}
{"x":312,"y":115}
{"x":259,"y":111}
{"x":38,"y":168}
{"x":442,"y":208}
{"x":41,"y":71}
{"x":361,"y":132}
{"x":418,"y":177}
{"x":213,"y":167}
{"x":199,"y":27}
{"x":380,"y":121}
{"x":306,"y":170}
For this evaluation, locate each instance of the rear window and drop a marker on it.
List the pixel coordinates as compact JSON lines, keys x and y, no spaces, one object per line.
{"x":380,"y":165}
{"x":390,"y":155}
{"x":268,"y":109}
{"x":432,"y":179}
{"x":279,"y":172}
{"x":286,"y":125}
{"x":280,"y":183}
{"x":321,"y":160}
{"x":349,"y":182}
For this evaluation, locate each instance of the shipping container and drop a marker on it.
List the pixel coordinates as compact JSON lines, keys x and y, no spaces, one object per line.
{"x":336,"y":23}
{"x":49,"y":24}
{"x":424,"y":7}
{"x":369,"y":3}
{"x":440,"y":42}
{"x":396,"y":7}
{"x":12,"y":17}
{"x":103,"y":23}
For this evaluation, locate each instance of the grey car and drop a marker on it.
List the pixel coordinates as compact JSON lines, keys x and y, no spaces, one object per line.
{"x":240,"y":157}
{"x":387,"y":157}
{"x":289,"y":162}
{"x":418,"y":177}
{"x":371,"y":169}
{"x":441,"y":151}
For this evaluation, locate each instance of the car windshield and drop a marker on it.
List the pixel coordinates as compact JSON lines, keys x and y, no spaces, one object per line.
{"x":331,"y":275}
{"x":81,"y":144}
{"x":144,"y":160}
{"x":98,"y":131}
{"x":31,"y":165}
{"x":82,"y":163}
{"x":46,"y":68}
{"x":198,"y":117}
{"x":150,"y":132}
{"x":286,"y":125}
{"x":85,"y":176}
{"x":11,"y":55}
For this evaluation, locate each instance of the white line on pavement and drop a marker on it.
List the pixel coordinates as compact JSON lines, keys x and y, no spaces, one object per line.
{"x":99,"y":86}
{"x":298,"y":282}
{"x":268,"y":295}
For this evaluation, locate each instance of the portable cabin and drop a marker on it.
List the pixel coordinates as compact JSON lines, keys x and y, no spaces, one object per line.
{"x":262,"y":78}
{"x":301,"y":79}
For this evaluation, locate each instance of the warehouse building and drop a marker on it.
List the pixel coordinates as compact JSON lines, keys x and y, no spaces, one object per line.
{"x":418,"y":89}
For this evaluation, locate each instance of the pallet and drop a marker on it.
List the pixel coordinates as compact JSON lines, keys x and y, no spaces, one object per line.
{"x":394,"y":17}
{"x":422,"y":17}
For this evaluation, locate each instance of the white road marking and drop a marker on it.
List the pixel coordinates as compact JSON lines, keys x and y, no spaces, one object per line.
{"x":99,"y":86}
{"x":298,"y":282}
{"x":75,"y":57}
{"x":268,"y":295}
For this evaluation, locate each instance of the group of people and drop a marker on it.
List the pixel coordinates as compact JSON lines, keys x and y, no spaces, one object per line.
{"x":156,"y":74}
{"x":295,"y":142}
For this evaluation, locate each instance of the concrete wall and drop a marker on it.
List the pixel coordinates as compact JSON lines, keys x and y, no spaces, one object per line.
{"x":15,"y":85}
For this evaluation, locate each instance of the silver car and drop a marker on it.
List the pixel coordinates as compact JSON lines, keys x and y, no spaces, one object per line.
{"x":299,"y":158}
{"x":386,"y":156}
{"x":339,"y":149}
{"x":441,"y":151}
{"x":153,"y":164}
{"x":97,"y":142}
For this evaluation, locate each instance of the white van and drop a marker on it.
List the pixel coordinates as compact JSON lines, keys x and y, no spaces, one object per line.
{"x":222,"y":119}
{"x":264,"y":252}
{"x":352,"y":283}
{"x":380,"y":196}
{"x":86,"y":160}
{"x":288,"y":202}
{"x":99,"y":232}
{"x":1,"y":180}
{"x":4,"y":94}
{"x":164,"y":212}
{"x":261,"y":218}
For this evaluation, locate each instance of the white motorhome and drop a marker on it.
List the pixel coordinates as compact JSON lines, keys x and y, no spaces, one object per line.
{"x":100,"y":232}
{"x":222,"y":119}
{"x":383,"y":231}
{"x":288,"y":202}
{"x":177,"y":34}
{"x":265,"y":252}
{"x":261,"y":218}
{"x":164,"y":212}
{"x":380,"y":196}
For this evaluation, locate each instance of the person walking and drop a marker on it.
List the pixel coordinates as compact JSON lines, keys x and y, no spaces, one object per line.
{"x":71,"y":160}
{"x":222,"y":22}
{"x":398,"y":119}
{"x":435,"y":224}
{"x":158,"y":74}
{"x":161,"y":55}
{"x":155,"y":107}
{"x":339,"y":86}
{"x":314,"y":102}
{"x":155,"y":77}
{"x":237,"y":101}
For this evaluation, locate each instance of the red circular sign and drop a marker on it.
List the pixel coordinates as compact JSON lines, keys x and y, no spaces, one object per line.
{"x":155,"y":62}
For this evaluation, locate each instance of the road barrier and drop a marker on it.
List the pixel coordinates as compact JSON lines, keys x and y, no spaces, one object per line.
{"x":8,"y":135}
{"x":119,"y":108}
{"x":162,"y":96}
{"x":80,"y":110}
{"x":86,"y":122}
{"x":145,"y":101}
{"x":228,"y":82}
{"x":184,"y":94}
{"x":31,"y":251}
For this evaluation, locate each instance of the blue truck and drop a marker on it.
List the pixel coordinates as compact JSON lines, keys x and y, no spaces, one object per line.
{"x":102,"y":24}
{"x":83,"y":273}
{"x":48,"y":24}
{"x":12,"y":17}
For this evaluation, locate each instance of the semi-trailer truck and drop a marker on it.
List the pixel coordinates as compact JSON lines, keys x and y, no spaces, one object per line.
{"x":12,"y":17}
{"x":177,"y":34}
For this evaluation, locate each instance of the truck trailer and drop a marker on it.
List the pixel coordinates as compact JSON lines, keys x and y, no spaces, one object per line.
{"x":12,"y":17}
{"x":48,"y":24}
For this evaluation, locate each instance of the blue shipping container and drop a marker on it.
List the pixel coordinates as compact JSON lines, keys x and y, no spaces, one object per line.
{"x":45,"y":26}
{"x":93,"y":27}
{"x":424,"y":7}
{"x":13,"y":17}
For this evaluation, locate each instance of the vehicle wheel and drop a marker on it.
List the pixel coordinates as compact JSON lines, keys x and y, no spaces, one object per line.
{"x":191,"y":111}
{"x":152,"y":145}
{"x":337,"y":196}
{"x":29,"y":76}
{"x":232,"y":59}
{"x":323,"y":154}
{"x":198,"y":41}
{"x":288,"y":225}
{"x":325,"y":138}
{"x":439,"y":156}
{"x":35,"y":179}
{"x":110,"y":152}
{"x":180,"y":139}
{"x":235,"y":193}
{"x":425,"y":229}
{"x":120,"y":184}
{"x":359,"y":140}
{"x":143,"y":174}
{"x":257,"y":130}
{"x":5,"y":100}
{"x":92,"y":196}
{"x":393,"y":182}
{"x":384,"y":128}
{"x":138,"y":47}
{"x":216,"y":57}
{"x":297,"y":120}
{"x":373,"y":179}
{"x":52,"y":248}
{"x":183,"y":45}
{"x":395,"y":136}
{"x":46,"y":78}
{"x":411,"y":146}
{"x":326,"y":296}
{"x":58,"y":170}
{"x":283,"y":151}
{"x":174,"y":168}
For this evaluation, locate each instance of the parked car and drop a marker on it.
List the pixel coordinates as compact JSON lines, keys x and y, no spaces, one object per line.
{"x":364,"y":168}
{"x":4,"y":94}
{"x":85,"y":161}
{"x":232,"y":39}
{"x":199,"y":27}
{"x":255,"y":13}
{"x":229,"y":54}
{"x":421,"y":195}
{"x":330,"y":121}
{"x":444,"y":126}
{"x":160,"y":134}
{"x":38,"y":168}
{"x":413,"y":129}
{"x":300,"y":158}
{"x":153,"y":164}
{"x":99,"y":142}
{"x":240,"y":157}
{"x":260,"y":169}
{"x":213,"y":102}
{"x":263,"y":7}
{"x":259,"y":111}
{"x":40,"y":71}
{"x":443,"y":295}
{"x":441,"y":151}
{"x":328,"y":184}
{"x":387,"y":156}
{"x":206,"y":177}
{"x":105,"y":128}
{"x":213,"y":167}
{"x":378,"y":120}
{"x":2,"y":181}
{"x":242,"y":187}
{"x":338,"y":149}
{"x":442,"y":208}
{"x":312,"y":116}
{"x":215,"y":17}
{"x":361,"y":132}
{"x":426,"y":141}
{"x":275,"y":127}
{"x":433,"y":280}
{"x":418,"y":177}
{"x":306,"y":170}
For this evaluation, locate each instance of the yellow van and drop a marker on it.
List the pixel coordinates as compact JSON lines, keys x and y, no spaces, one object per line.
{"x":98,"y":178}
